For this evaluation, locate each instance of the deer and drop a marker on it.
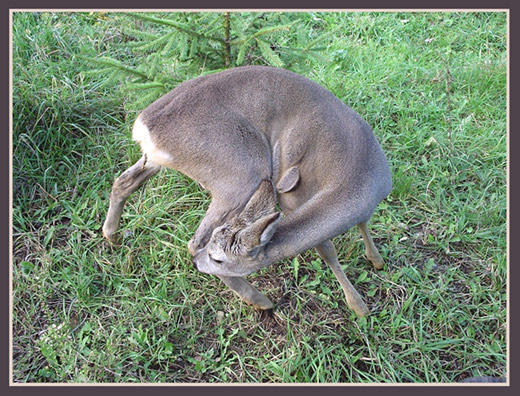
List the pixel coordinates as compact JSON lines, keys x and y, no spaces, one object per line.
{"x":288,"y":166}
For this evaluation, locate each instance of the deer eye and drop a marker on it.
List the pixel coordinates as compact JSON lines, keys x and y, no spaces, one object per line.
{"x":215,"y":260}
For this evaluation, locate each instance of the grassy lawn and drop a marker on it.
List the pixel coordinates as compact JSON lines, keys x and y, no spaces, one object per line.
{"x":432,"y":86}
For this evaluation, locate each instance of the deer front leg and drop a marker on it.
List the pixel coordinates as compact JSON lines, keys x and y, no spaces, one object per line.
{"x":215,"y":215}
{"x":129,"y":181}
{"x":247,"y":292}
{"x":328,"y":253}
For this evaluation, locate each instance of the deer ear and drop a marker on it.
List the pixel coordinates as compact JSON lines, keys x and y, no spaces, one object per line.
{"x":272,"y":223}
{"x":289,"y":180}
{"x":260,"y":232}
{"x":261,"y":203}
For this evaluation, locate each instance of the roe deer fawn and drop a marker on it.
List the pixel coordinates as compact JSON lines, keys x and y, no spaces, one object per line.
{"x":256,"y":137}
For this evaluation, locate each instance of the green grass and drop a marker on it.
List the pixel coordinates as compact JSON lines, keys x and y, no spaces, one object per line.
{"x":433,"y":87}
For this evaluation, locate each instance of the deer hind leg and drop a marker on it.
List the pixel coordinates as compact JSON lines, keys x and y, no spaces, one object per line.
{"x":328,"y":253}
{"x":214,"y":217}
{"x":129,"y":181}
{"x":247,"y":292}
{"x":371,"y":250}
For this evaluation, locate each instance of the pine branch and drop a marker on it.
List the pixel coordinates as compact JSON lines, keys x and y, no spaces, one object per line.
{"x":113,"y":63}
{"x":269,"y":54}
{"x":141,"y":86}
{"x":179,"y":26}
{"x":143,"y":46}
{"x":268,"y":30}
{"x":321,"y":38}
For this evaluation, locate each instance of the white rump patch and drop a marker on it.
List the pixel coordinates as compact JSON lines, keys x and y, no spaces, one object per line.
{"x":141,"y":134}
